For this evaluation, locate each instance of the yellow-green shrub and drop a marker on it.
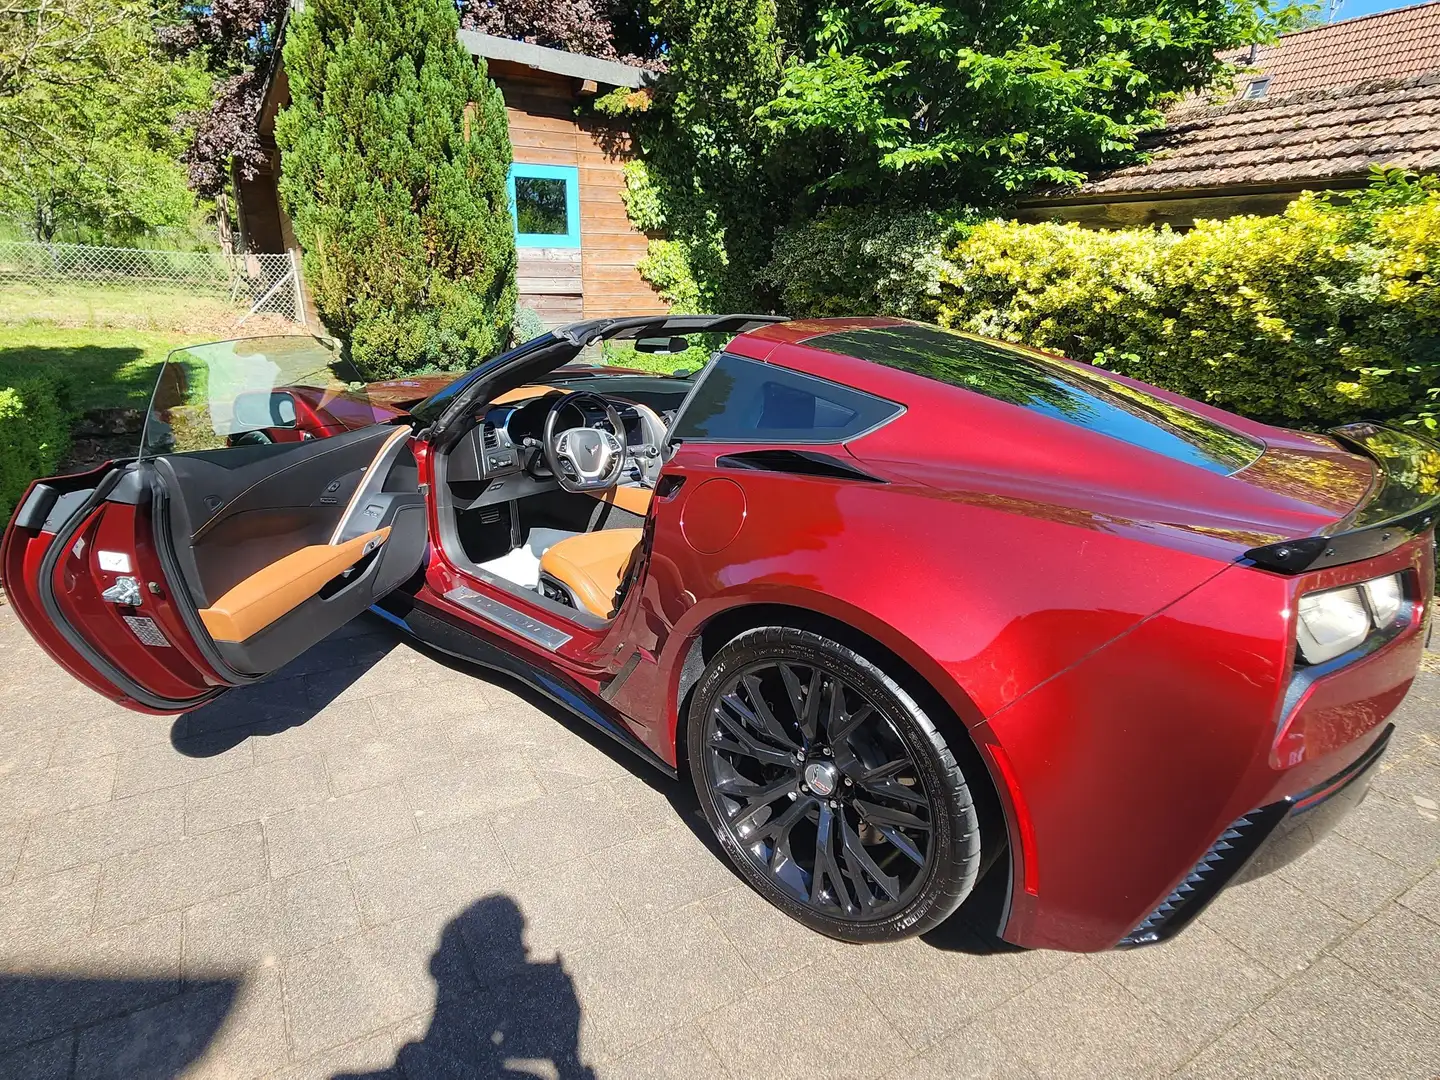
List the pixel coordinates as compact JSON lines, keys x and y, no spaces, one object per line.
{"x":1326,"y":313}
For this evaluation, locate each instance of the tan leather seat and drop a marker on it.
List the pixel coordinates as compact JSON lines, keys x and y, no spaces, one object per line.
{"x":591,"y":565}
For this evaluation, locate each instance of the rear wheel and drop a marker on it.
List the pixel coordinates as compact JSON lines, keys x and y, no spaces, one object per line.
{"x":829,"y":787}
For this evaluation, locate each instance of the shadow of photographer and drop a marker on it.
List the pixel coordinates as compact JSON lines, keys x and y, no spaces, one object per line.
{"x":523,"y":1022}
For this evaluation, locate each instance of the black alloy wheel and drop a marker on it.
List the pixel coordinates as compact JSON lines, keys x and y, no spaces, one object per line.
{"x":829,"y":787}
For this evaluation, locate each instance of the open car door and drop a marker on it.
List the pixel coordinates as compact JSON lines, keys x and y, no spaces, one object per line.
{"x":248,"y":528}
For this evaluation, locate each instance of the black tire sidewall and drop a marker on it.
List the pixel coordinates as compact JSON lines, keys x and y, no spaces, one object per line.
{"x":956,"y":832}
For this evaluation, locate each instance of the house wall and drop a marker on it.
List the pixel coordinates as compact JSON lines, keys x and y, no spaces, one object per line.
{"x":599,"y":278}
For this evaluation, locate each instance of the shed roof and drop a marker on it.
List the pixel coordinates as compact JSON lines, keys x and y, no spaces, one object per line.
{"x":555,"y":61}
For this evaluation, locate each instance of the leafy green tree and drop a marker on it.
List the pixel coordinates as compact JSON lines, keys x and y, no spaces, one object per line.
{"x":774,"y":111}
{"x":89,"y":121}
{"x":395,"y":157}
{"x":937,"y":97}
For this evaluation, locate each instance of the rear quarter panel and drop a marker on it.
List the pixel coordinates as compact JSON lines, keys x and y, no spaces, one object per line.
{"x":984,"y":602}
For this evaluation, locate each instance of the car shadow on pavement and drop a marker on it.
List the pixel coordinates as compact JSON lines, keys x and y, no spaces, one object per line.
{"x":129,"y":1027}
{"x":286,"y":699}
{"x":525,"y":1021}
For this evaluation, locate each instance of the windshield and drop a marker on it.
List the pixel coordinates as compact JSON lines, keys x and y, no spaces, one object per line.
{"x":254,"y":391}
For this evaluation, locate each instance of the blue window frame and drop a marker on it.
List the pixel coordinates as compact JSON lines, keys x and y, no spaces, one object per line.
{"x":545,"y":205}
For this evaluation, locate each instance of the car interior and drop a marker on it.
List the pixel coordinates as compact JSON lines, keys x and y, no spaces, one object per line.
{"x":541,"y":496}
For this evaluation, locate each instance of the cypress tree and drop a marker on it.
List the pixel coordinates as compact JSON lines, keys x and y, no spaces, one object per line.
{"x":395,"y":152}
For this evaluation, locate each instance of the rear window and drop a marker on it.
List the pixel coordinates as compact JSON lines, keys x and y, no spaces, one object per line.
{"x":738,"y":400}
{"x":1081,"y":396}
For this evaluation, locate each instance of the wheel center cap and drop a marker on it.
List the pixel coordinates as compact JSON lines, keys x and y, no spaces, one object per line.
{"x":821,"y":777}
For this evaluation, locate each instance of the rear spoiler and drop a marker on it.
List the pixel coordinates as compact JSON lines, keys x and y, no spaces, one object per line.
{"x":1402,"y":504}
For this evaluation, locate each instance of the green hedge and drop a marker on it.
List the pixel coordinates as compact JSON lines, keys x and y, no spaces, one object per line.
{"x":35,"y":419}
{"x":1326,"y":313}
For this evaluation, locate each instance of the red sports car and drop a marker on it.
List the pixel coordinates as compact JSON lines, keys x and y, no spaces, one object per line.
{"x":909,"y":606}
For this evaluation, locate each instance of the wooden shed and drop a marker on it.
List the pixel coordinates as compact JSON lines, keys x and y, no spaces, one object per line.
{"x":576,"y":248}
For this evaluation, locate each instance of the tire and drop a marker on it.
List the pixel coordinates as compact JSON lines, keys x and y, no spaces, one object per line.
{"x":869,"y":792}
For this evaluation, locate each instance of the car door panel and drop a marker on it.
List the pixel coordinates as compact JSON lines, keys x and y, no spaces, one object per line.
{"x":255,"y":540}
{"x":234,"y":511}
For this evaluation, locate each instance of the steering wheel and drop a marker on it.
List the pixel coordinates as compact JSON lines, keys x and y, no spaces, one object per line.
{"x":585,"y":458}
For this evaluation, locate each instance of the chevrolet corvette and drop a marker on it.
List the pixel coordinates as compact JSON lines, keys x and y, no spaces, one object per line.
{"x":909,"y":607}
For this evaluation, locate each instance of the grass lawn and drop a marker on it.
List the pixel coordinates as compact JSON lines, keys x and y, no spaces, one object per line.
{"x":108,"y":367}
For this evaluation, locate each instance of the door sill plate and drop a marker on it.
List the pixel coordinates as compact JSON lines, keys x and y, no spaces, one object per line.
{"x":503,"y":615}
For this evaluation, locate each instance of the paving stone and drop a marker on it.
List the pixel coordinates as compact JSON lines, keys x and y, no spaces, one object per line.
{"x":34,"y":793}
{"x":1347,"y":877}
{"x":482,"y":785}
{"x":278,"y":918}
{"x":221,"y":802}
{"x":1424,"y":898}
{"x":773,"y":944}
{"x":12,"y":841}
{"x":973,"y":1052}
{"x":444,"y":868}
{"x":554,"y":912}
{"x":1347,"y":1026}
{"x":374,"y":1057}
{"x":100,"y":832}
{"x":557,"y":751}
{"x":681,"y":1056}
{"x":806,"y":1042}
{"x":81,"y":980}
{"x":451,"y":699}
{"x":25,"y":749}
{"x":1078,"y":1023}
{"x":1198,"y":981}
{"x":1397,"y":952}
{"x":658,"y":873}
{"x":49,"y":1060}
{"x":180,"y":874}
{"x":37,"y":913}
{"x":342,"y":992}
{"x":1249,"y":1051}
{"x":370,"y":759}
{"x":109,"y":732}
{"x":656,"y":978}
{"x":657,"y":802}
{"x":562,"y":828}
{"x":1274,"y":923}
{"x":326,"y":832}
{"x":227,"y":1028}
{"x":923,"y":991}
{"x":149,"y":768}
{"x":1401,"y":831}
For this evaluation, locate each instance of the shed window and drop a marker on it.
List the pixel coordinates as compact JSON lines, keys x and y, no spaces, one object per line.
{"x":545,"y":204}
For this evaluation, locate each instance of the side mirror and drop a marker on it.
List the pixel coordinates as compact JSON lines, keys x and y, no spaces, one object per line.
{"x":256,"y":409}
{"x":659,"y":345}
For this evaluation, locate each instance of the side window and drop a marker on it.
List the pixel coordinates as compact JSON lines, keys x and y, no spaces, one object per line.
{"x":545,"y":203}
{"x":254,"y":391}
{"x":740,"y":400}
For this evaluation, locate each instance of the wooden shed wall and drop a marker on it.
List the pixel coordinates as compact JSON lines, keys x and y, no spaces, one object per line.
{"x":599,"y":278}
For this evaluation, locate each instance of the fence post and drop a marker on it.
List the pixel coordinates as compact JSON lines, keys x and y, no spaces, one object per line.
{"x":299,"y":290}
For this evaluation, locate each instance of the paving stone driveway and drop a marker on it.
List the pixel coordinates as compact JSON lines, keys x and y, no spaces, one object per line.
{"x":382,"y":862}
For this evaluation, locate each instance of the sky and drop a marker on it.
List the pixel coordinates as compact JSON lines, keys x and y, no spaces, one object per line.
{"x":1351,"y":9}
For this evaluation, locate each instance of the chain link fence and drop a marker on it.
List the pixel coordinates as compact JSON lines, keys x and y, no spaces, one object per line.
{"x":250,"y":284}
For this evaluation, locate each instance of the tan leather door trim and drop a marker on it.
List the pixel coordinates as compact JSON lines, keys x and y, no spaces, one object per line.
{"x":277,"y":589}
{"x":634,"y":499}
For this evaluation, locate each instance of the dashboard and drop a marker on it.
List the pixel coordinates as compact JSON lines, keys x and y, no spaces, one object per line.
{"x":503,"y":449}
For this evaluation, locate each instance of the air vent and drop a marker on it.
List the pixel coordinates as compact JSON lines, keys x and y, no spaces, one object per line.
{"x":489,"y":435}
{"x":797,"y":463}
